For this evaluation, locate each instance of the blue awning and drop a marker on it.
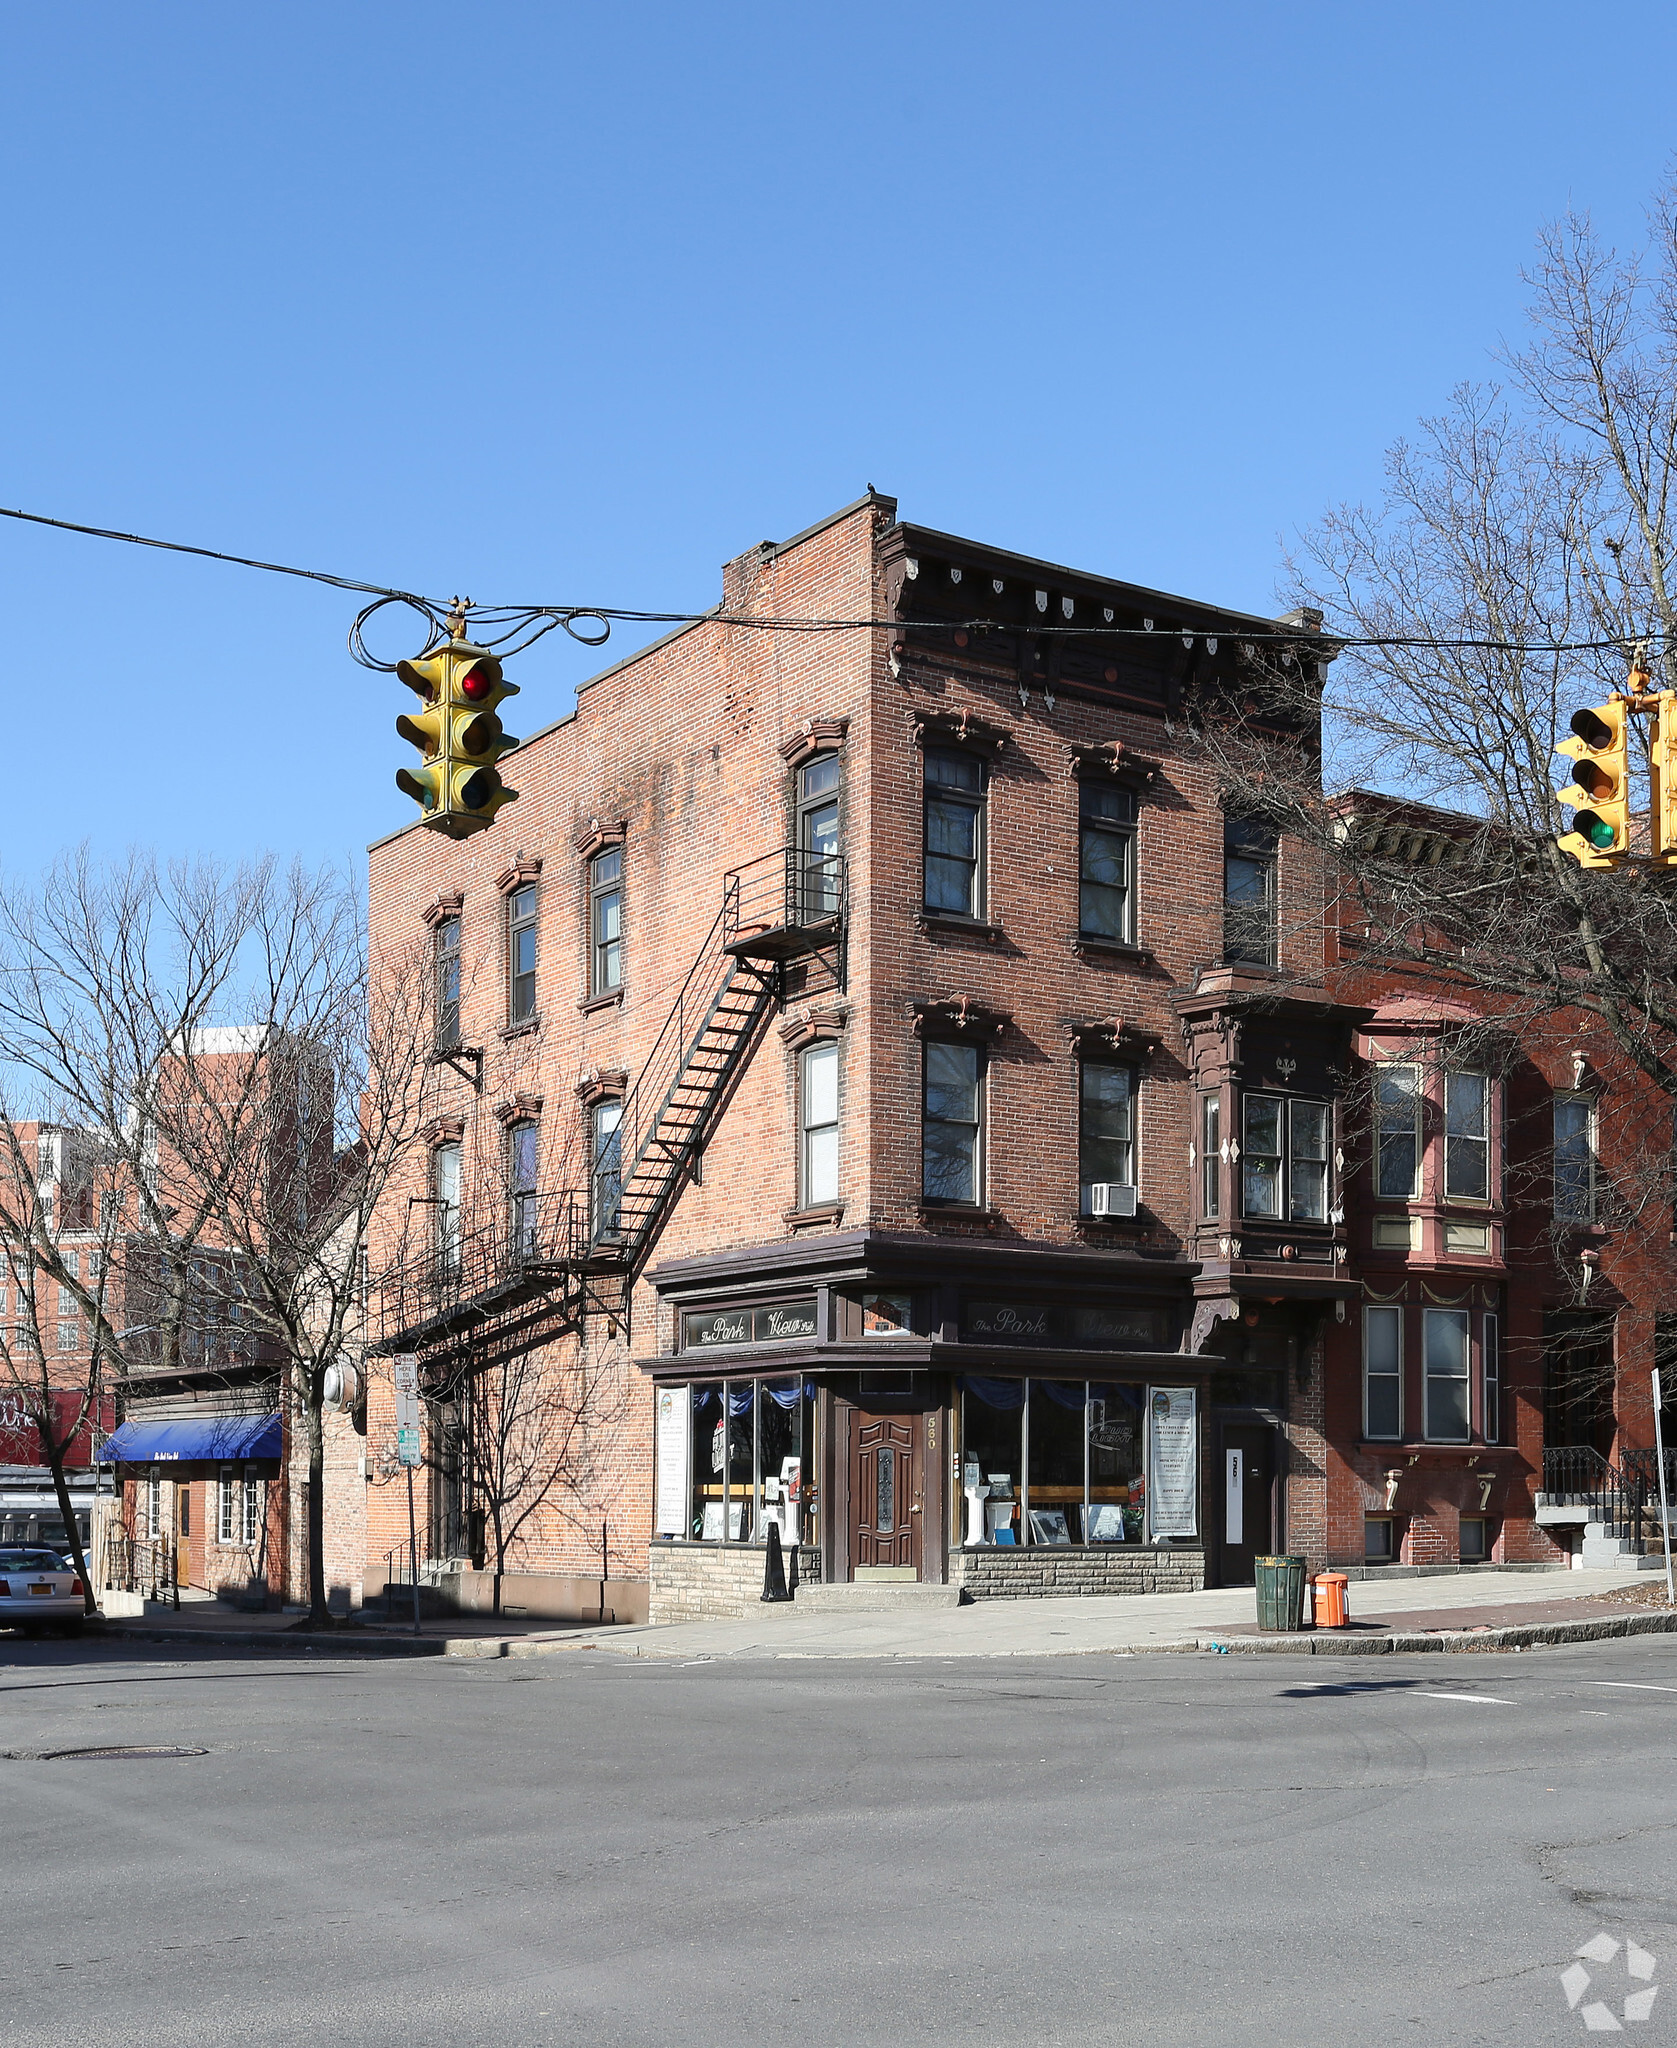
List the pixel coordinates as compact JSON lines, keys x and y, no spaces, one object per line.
{"x":215,"y":1437}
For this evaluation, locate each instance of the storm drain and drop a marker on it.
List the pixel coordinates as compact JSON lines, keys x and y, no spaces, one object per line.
{"x":118,"y":1753}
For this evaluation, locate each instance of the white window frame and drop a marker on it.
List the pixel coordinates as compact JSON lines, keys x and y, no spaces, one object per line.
{"x":153,"y":1506}
{"x":1395,"y":1313}
{"x":254,"y":1504}
{"x":226,"y":1517}
{"x":1463,"y":1379}
{"x":1413,"y":1131}
{"x":1483,"y":1139}
{"x":823,"y":1055}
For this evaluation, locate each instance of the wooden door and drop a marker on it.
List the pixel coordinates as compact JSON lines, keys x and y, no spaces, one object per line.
{"x":887,"y":1502}
{"x":183,"y":1533}
{"x":1245,"y":1500}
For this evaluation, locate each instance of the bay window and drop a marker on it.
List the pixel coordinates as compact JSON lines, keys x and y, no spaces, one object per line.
{"x":1397,"y":1133}
{"x":1445,"y":1366}
{"x":1383,"y":1373}
{"x":1284,"y":1158}
{"x":1467,"y":1137}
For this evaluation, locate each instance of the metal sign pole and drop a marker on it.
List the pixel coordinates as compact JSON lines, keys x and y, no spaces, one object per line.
{"x":1665,"y":1502}
{"x":405,"y":1376}
{"x":413,"y":1554}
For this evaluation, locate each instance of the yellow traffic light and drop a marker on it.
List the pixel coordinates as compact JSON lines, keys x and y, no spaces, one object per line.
{"x":1662,"y":778}
{"x":459,"y":737}
{"x":1599,"y":791}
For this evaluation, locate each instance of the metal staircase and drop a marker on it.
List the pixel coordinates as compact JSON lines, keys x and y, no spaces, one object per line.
{"x":1614,"y":1509}
{"x":774,"y":910}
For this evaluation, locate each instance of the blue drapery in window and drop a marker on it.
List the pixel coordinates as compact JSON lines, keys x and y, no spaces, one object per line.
{"x":999,"y":1394}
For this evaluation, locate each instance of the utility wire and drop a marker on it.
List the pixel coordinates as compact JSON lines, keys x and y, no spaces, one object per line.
{"x":523,"y":625}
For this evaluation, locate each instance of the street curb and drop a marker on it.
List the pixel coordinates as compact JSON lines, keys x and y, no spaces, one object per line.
{"x":1536,"y":1636}
{"x":350,"y":1643}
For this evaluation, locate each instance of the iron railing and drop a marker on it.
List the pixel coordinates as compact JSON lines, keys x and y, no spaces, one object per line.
{"x":791,"y":893}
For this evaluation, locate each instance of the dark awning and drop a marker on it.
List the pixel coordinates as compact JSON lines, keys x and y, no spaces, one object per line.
{"x":214,"y":1437}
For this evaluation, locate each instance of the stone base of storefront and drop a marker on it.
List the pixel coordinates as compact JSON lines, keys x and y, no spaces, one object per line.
{"x":1052,"y":1572}
{"x":712,"y":1582}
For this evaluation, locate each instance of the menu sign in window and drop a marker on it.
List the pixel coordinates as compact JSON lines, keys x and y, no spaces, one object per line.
{"x":1173,"y":1461}
{"x":774,"y":1325}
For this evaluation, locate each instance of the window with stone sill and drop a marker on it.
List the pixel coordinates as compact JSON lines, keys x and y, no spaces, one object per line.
{"x":952,"y":1123}
{"x":605,"y":922}
{"x":1106,"y":863}
{"x":446,"y":950}
{"x":521,"y":955}
{"x":818,"y":1118}
{"x":954,"y":833}
{"x":1575,"y":1158}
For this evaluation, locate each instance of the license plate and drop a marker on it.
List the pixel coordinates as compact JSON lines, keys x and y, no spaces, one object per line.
{"x":41,"y":1589}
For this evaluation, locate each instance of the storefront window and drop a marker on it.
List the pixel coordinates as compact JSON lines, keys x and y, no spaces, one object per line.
{"x":1081,"y":1447}
{"x":751,"y":1450}
{"x":742,"y":1459}
{"x":1056,"y":1460}
{"x":993,"y":1441}
{"x":780,"y":1416}
{"x":1116,"y":1487}
{"x":710,"y":1459}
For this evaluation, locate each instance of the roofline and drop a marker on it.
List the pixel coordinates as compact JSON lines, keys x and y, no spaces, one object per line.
{"x":1128,"y":593}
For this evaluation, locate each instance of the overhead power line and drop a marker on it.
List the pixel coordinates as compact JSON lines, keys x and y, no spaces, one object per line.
{"x":512,"y":627}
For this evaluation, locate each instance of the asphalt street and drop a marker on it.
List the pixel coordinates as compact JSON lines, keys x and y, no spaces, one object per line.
{"x":592,"y":1849}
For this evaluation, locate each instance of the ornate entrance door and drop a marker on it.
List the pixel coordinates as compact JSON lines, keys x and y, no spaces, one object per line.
{"x":886,"y":1501}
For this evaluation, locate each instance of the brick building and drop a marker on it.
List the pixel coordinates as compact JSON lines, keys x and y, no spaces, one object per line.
{"x":878,"y":1091}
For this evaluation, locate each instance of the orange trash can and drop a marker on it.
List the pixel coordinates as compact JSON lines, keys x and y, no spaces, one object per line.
{"x":1333,"y":1607}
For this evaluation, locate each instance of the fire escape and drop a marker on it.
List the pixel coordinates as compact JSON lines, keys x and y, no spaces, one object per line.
{"x":529,"y":1275}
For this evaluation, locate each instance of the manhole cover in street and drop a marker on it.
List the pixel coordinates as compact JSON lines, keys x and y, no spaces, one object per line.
{"x":121,"y":1752}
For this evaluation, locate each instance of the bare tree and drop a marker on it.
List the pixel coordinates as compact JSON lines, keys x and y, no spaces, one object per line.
{"x":213,"y":1031}
{"x":1524,"y":550}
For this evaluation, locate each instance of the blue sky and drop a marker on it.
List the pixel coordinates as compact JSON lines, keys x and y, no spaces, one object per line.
{"x":574,"y":303}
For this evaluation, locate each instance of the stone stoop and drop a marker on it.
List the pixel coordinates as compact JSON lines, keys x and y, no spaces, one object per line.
{"x":879,"y":1596}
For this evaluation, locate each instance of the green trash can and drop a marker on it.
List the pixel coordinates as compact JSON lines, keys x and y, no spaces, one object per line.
{"x":1280,"y":1593}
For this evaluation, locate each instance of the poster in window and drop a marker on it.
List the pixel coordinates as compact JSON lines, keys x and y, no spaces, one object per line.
{"x":674,"y":1428}
{"x":1173,"y":1460}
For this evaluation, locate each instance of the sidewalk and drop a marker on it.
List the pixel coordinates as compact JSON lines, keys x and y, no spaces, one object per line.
{"x":1508,"y":1609}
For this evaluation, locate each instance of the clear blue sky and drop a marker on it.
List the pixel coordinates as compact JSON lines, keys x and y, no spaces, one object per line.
{"x":573,"y":303}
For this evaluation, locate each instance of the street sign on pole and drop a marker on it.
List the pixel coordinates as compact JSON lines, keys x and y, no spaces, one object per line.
{"x":405,"y":1369}
{"x":1665,"y":1494}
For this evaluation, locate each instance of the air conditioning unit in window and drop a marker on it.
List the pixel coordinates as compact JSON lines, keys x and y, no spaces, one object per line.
{"x":1111,"y":1198}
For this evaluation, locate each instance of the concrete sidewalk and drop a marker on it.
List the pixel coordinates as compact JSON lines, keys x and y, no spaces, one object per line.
{"x":1072,"y":1627}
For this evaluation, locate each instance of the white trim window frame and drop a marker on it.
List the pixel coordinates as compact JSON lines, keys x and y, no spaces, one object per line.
{"x":818,"y":1125}
{"x":1467,"y":1136}
{"x":1383,"y":1374}
{"x":226,"y":1506}
{"x":1397,"y":1131}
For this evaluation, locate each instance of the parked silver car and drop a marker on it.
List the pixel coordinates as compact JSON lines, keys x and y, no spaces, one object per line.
{"x":37,"y":1590}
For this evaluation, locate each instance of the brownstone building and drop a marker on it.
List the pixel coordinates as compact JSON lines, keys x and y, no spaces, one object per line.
{"x":878,"y":1091}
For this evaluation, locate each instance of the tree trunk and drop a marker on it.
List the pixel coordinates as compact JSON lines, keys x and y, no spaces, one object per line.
{"x":55,"y":1461}
{"x":316,"y":1521}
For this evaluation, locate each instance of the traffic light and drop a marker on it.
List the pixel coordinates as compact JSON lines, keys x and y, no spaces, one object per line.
{"x":1662,"y":779}
{"x":457,"y":784}
{"x":1600,"y":787}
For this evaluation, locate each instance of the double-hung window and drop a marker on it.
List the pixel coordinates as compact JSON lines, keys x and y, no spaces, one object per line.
{"x":523,"y":1152}
{"x":1249,"y":860}
{"x":1491,"y":1372}
{"x":1383,"y":1374}
{"x":1106,"y":1130}
{"x":818,"y":1174}
{"x":1106,"y":863}
{"x":1284,"y":1158}
{"x":227,"y":1506}
{"x":1397,"y":1133}
{"x":605,"y":921}
{"x":1575,"y":1156}
{"x":1467,"y":1137}
{"x":447,"y":951}
{"x":818,"y":836}
{"x":1445,"y":1358}
{"x":952,"y":1123}
{"x":521,"y":955}
{"x":605,"y":1181}
{"x":954,"y":834}
{"x":445,"y":1195}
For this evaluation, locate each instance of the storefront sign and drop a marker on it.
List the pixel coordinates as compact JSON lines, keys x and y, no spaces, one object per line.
{"x":1173,"y":1461}
{"x":774,"y":1325}
{"x":1104,"y":1328}
{"x":674,"y":1441}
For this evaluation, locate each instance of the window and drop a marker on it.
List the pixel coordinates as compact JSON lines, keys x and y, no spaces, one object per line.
{"x":1106,"y":1127}
{"x":1491,"y":1365}
{"x":1575,"y":1158}
{"x":605,"y":1184}
{"x":69,"y":1334}
{"x":818,"y":1171}
{"x":1476,"y":1539}
{"x":1378,"y":1544}
{"x":253,"y":1494}
{"x":1467,"y":1139}
{"x":1106,"y":863}
{"x":954,"y":834}
{"x":605,"y":921}
{"x":445,"y":1193}
{"x":818,"y":835}
{"x":1249,"y":891}
{"x":1284,"y":1158}
{"x":227,"y":1507}
{"x":521,"y":955}
{"x":1211,"y":1154}
{"x":950,"y":1124}
{"x":448,"y":984}
{"x":152,"y":1507}
{"x":748,"y":1448}
{"x":1397,"y":1134}
{"x":523,"y":1147}
{"x":1445,"y":1359}
{"x":1383,"y":1374}
{"x":1059,"y":1461}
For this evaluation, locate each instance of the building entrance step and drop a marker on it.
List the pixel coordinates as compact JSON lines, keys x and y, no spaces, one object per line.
{"x":873,"y":1596}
